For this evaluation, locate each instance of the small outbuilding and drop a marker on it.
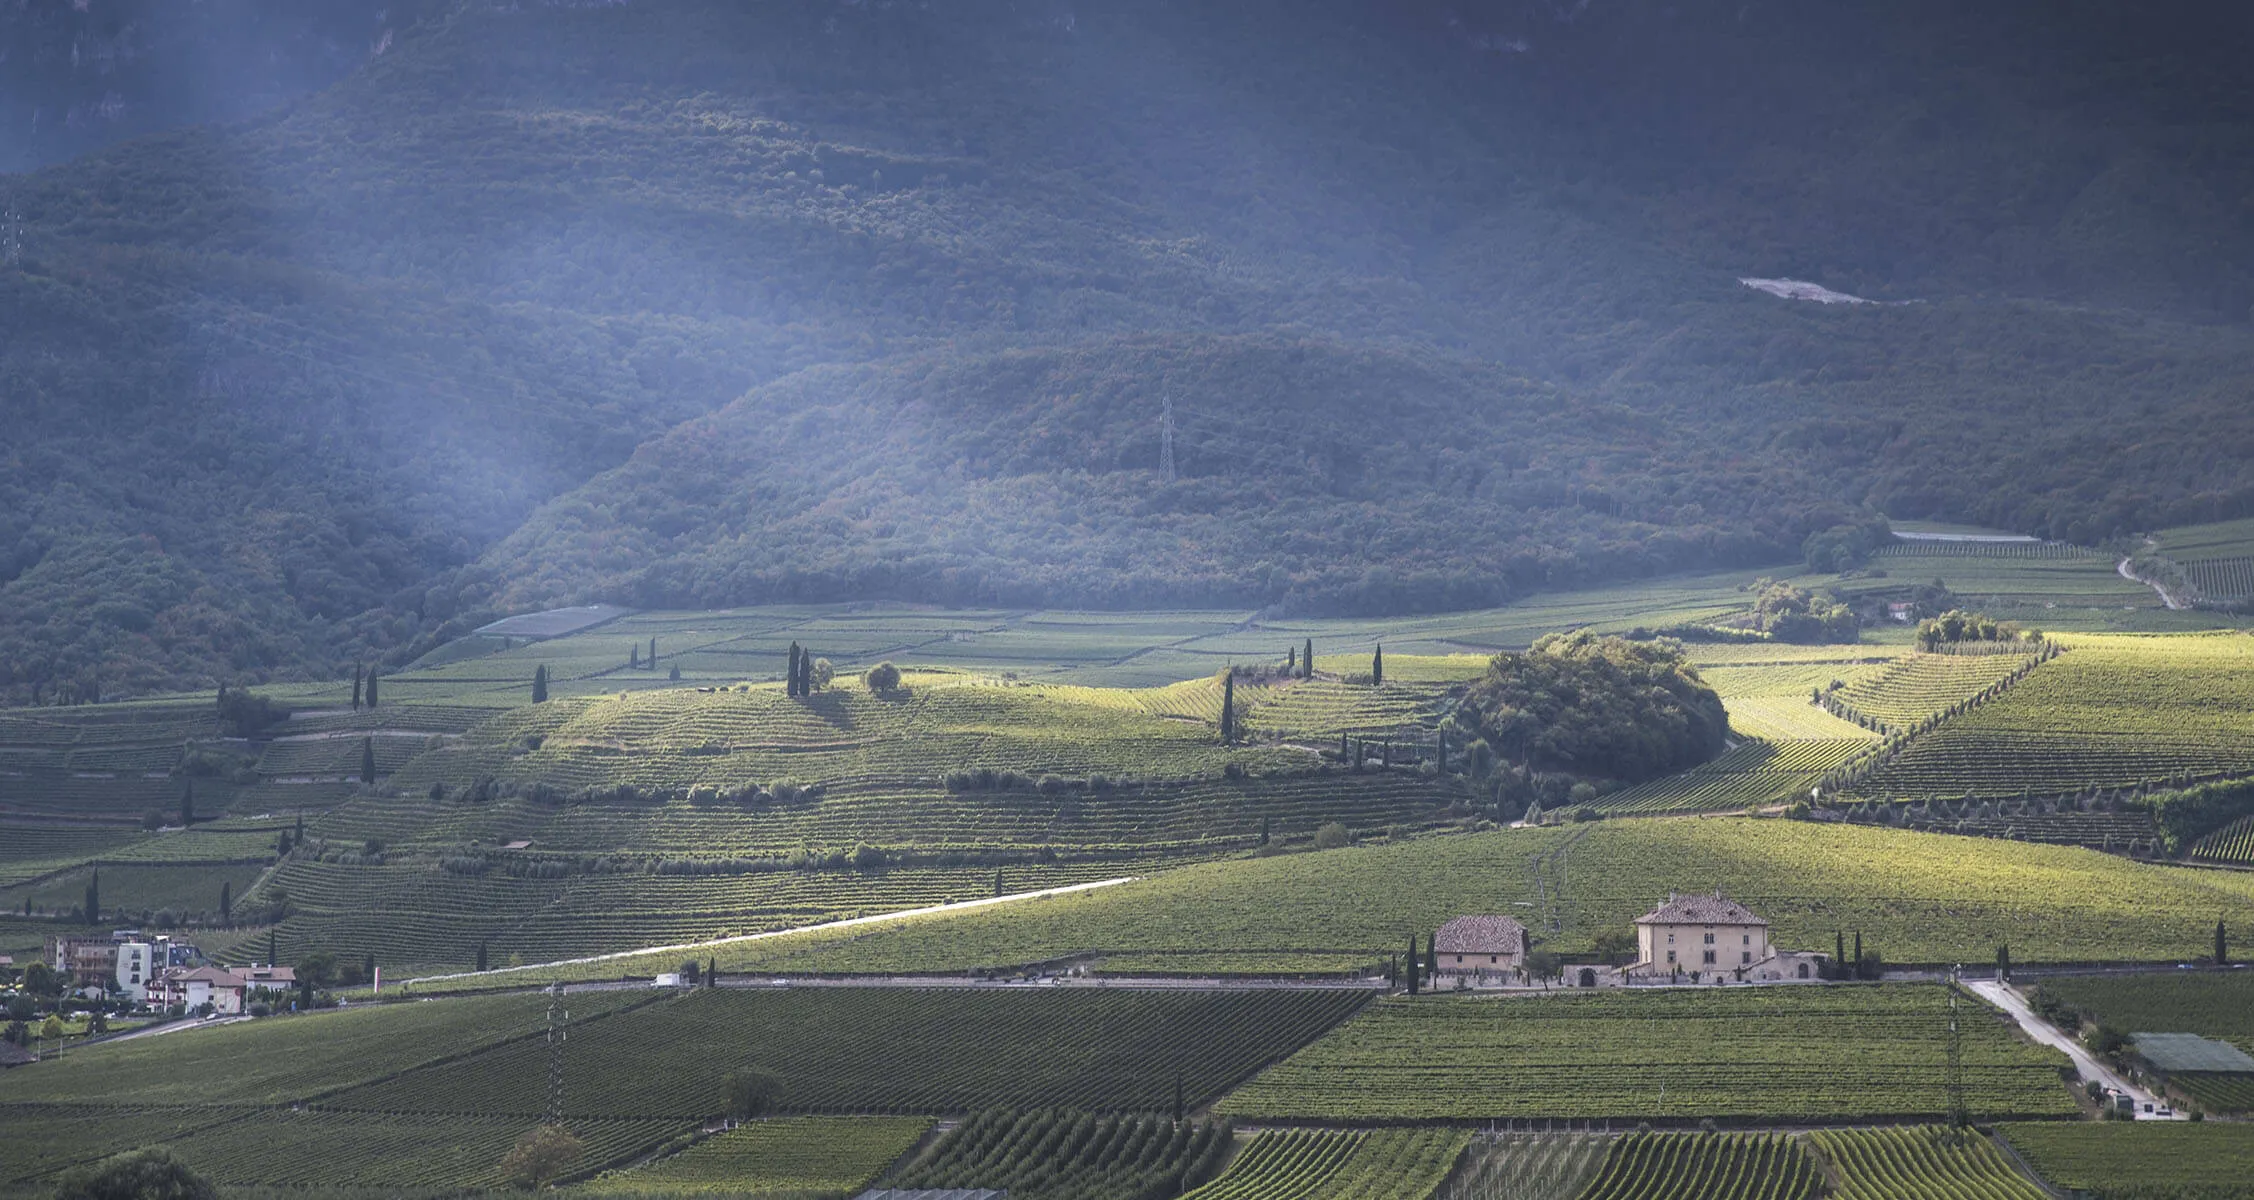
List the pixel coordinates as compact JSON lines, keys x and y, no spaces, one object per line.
{"x":1479,"y":951}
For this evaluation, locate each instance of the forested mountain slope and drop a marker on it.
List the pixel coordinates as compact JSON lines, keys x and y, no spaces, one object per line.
{"x":292,"y":390}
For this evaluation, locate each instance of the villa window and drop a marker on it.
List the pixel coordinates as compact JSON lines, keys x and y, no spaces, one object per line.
{"x":1709,"y":939}
{"x":1710,"y":958}
{"x":1747,"y":957}
{"x":1670,"y":956}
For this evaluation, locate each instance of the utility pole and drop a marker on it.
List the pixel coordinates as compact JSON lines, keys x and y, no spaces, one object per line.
{"x":1957,"y":1115}
{"x":11,"y":236}
{"x":1166,"y":439}
{"x":559,"y":1020}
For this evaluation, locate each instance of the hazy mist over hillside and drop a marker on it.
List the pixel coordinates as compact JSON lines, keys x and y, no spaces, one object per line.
{"x":331,"y":330}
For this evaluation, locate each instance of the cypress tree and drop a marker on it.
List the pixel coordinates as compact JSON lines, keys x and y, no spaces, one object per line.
{"x":368,"y":760}
{"x":356,"y":678}
{"x":305,"y":993}
{"x":371,"y":687}
{"x":712,"y":971}
{"x":790,"y":681}
{"x":1858,"y":954}
{"x":1432,"y":957}
{"x":481,"y":956}
{"x":540,"y":684}
{"x":1229,"y":707}
{"x":187,"y":803}
{"x":1291,"y":660}
{"x":2003,"y":961}
{"x":226,"y":901}
{"x":1412,"y":961}
{"x":1839,"y":949}
{"x":653,"y":652}
{"x":634,"y":657}
{"x":998,"y":881}
{"x":94,"y":898}
{"x":1263,"y":831}
{"x":1307,"y":660}
{"x":368,"y":969}
{"x":1377,"y":666}
{"x":2222,"y":945}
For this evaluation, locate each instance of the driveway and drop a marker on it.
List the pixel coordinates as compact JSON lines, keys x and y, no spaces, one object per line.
{"x":2087,"y":1064}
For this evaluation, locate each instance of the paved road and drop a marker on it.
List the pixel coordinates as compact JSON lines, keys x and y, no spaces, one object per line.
{"x":2001,"y":995}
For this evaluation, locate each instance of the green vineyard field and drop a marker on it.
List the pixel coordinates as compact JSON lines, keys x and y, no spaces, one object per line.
{"x":1920,"y":686}
{"x":788,"y":1157}
{"x":1386,"y":1164}
{"x":1515,"y":1166}
{"x":1056,"y":1154}
{"x":941,"y":1051}
{"x":1706,"y":1166}
{"x":2232,"y":844}
{"x":2141,"y":1160}
{"x":2114,"y":712}
{"x":1745,"y":1054}
{"x":292,"y":1059}
{"x":281,"y":1148}
{"x":1920,"y":1163}
{"x":2211,"y":1004}
{"x":1917,"y":898}
{"x":1754,"y":774}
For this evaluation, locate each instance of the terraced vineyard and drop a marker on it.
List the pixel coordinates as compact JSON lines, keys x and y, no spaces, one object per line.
{"x":941,"y":1051}
{"x":1305,"y":1164}
{"x":2141,"y":1160}
{"x":2221,"y":578}
{"x":2032,"y":821}
{"x":1512,"y":1166}
{"x":2115,"y":712}
{"x":1057,"y":1154}
{"x":1799,"y":1054}
{"x":790,"y":1157}
{"x":1706,"y":1166}
{"x":1921,"y":1163}
{"x":43,"y":1140}
{"x":2232,"y":844}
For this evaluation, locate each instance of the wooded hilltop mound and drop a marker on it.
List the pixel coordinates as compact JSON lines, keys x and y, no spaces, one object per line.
{"x":891,"y":298}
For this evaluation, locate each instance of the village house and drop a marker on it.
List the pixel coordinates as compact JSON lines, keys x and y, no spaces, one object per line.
{"x":193,"y":987}
{"x":1478,"y":951}
{"x":1709,"y":938}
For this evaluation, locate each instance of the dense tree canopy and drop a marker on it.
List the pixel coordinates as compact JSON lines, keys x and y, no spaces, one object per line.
{"x":1603,"y":707}
{"x":1448,"y":302}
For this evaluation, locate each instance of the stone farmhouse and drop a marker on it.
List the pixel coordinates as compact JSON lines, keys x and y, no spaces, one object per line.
{"x":1711,"y":938}
{"x":1478,"y":951}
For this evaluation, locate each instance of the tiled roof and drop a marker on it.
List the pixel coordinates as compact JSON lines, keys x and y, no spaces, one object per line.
{"x":1716,"y":909}
{"x":1480,"y":935}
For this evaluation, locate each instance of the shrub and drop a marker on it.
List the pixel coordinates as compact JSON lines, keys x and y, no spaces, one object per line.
{"x":883,"y":678}
{"x":1332,"y":837}
{"x":753,"y":1093}
{"x":140,"y":1175}
{"x":540,"y":1156}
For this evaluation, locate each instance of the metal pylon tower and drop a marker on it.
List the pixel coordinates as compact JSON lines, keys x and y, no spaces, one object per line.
{"x":559,"y":1026}
{"x":1166,"y":439}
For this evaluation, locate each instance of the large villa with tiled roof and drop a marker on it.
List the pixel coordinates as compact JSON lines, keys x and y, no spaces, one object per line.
{"x":1702,"y":937}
